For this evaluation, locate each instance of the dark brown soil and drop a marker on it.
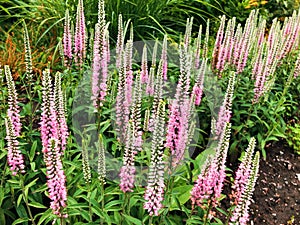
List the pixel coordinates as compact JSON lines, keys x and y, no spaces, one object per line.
{"x":277,"y":191}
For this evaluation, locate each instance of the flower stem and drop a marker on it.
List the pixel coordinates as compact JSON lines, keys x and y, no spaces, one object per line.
{"x":207,"y":213}
{"x":25,"y":199}
{"x":150,"y":220}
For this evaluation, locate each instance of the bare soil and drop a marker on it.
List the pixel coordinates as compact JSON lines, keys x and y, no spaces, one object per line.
{"x":277,"y":192}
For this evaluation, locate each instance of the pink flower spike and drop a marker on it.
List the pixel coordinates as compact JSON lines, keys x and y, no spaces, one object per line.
{"x":67,"y":40}
{"x":155,"y":188}
{"x":164,"y":58}
{"x":14,"y":156}
{"x":80,"y":36}
{"x":144,"y":66}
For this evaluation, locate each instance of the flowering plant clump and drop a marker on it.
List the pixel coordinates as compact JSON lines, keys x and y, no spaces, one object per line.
{"x":148,"y":132}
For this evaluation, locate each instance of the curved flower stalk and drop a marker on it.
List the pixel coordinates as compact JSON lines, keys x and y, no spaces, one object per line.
{"x":14,"y":156}
{"x":209,"y":184}
{"x":243,"y":172}
{"x":52,"y":146}
{"x":80,"y":36}
{"x":13,"y":110}
{"x":240,"y":214}
{"x":225,"y":109}
{"x":155,"y":188}
{"x":67,"y":40}
{"x":28,"y":60}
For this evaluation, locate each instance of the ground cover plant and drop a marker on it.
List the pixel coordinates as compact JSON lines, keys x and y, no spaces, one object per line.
{"x":143,"y":132}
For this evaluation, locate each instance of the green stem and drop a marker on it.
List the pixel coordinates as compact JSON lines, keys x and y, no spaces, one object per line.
{"x":126,"y":197}
{"x":90,"y":204}
{"x":229,"y":216}
{"x":62,"y":221}
{"x":207,"y":214}
{"x":25,"y":199}
{"x":150,"y":220}
{"x":102,"y":200}
{"x":3,"y":176}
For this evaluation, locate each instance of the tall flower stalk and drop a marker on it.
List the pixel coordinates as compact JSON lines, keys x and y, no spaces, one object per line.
{"x":67,"y":40}
{"x":80,"y":35}
{"x":127,"y":173}
{"x":240,"y":213}
{"x":13,"y":110}
{"x":28,"y":58}
{"x":243,"y":172}
{"x":225,"y":109}
{"x":13,"y":127}
{"x":144,"y":66}
{"x":154,"y":193}
{"x":120,"y":42}
{"x":208,"y":187}
{"x":14,"y":156}
{"x":180,"y":109}
{"x":52,"y":148}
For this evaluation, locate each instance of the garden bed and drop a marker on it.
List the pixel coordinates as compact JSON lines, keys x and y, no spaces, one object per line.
{"x":277,"y":192}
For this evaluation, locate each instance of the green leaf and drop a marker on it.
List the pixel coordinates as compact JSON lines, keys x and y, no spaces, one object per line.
{"x":182,"y":195}
{"x":22,"y":213}
{"x":44,"y":216}
{"x":2,"y":217}
{"x":32,"y":151}
{"x":20,"y":220}
{"x":19,"y":200}
{"x":113,"y":203}
{"x":132,"y":220}
{"x":37,"y":205}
